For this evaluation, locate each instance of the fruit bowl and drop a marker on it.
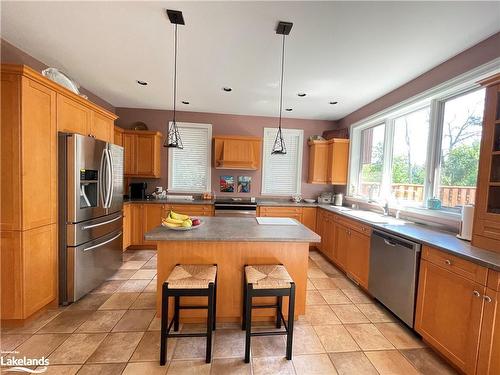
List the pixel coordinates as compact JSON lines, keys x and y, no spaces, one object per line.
{"x":183,"y":228}
{"x":176,"y":221}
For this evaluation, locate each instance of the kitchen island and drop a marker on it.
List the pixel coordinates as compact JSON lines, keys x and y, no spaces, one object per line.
{"x":231,"y":243}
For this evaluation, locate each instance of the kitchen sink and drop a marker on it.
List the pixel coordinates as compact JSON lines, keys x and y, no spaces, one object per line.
{"x":374,"y":217}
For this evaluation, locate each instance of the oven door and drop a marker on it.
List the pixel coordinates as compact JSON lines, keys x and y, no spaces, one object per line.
{"x":235,"y":213}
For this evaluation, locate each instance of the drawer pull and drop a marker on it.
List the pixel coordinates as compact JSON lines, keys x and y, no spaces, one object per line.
{"x":487,"y":299}
{"x":476,"y":293}
{"x":447,"y":262}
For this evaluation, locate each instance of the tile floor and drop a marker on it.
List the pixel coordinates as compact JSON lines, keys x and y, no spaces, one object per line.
{"x":113,"y":330}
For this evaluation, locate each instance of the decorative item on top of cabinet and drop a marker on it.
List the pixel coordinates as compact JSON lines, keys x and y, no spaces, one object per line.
{"x":328,"y":161}
{"x":237,"y":152}
{"x":486,"y":229}
{"x":142,"y":153}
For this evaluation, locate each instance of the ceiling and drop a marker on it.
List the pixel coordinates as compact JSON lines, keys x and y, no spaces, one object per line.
{"x":350,"y":52}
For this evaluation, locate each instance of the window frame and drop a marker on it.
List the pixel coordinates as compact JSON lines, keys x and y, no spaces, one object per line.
{"x":266,"y":159}
{"x":171,"y":160}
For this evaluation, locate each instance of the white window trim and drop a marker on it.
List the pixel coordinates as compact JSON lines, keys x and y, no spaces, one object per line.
{"x":435,"y":98}
{"x":209,"y":157}
{"x":265,"y":160}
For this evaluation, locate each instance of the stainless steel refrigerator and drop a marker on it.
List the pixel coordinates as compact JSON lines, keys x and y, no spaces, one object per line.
{"x":90,"y":214}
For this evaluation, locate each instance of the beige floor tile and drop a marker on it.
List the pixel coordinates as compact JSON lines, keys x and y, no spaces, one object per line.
{"x":324,"y":283}
{"x":328,"y":268}
{"x":400,"y":336}
{"x":229,"y":343}
{"x":149,"y":348}
{"x":150,"y":264}
{"x":155,"y":324}
{"x":353,"y":363}
{"x":40,"y":345}
{"x":89,"y":302}
{"x":315,"y":364}
{"x":344,"y":283}
{"x":122,"y":275}
{"x":119,"y":301}
{"x":151,"y":287}
{"x":268,"y":346}
{"x":145,"y":368}
{"x":335,"y":338}
{"x":310,"y":285}
{"x":231,"y":366}
{"x":198,"y":367}
{"x":144,"y":274}
{"x":10,"y":342}
{"x":109,"y":286}
{"x":314,"y":298}
{"x":334,"y":297}
{"x":376,"y":313}
{"x":357,"y":296}
{"x":133,"y":265}
{"x":306,"y":341}
{"x":427,"y":362}
{"x":135,"y":321}
{"x":34,"y":323}
{"x":143,"y":255}
{"x":349,"y":314}
{"x":66,"y":322}
{"x":128,"y":255}
{"x":101,"y":321}
{"x":102,"y":369}
{"x":368,"y":337}
{"x":60,"y":369}
{"x":77,"y":348}
{"x":116,"y":348}
{"x":145,"y":301}
{"x":321,"y":314}
{"x":190,"y":348}
{"x":272,"y":365}
{"x":390,"y":362}
{"x":316,"y":273}
{"x":133,"y":286}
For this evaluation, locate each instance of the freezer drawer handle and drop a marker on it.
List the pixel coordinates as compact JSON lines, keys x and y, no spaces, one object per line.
{"x":103,"y":223}
{"x":103,"y":243}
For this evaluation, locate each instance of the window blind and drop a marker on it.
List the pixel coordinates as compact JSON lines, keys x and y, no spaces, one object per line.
{"x":189,"y":168}
{"x":281,"y":174}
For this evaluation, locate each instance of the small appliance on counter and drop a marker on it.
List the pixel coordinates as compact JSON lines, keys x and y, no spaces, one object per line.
{"x":138,"y":190}
{"x":159,"y":193}
{"x":466,"y":222}
{"x":325,"y":198}
{"x":338,"y":199}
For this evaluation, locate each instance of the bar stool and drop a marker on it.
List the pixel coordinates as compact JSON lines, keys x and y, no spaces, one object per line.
{"x":194,"y":280}
{"x":264,"y":281}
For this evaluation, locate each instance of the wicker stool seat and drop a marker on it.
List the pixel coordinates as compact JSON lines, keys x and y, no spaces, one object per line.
{"x":188,"y":280}
{"x":268,"y":276}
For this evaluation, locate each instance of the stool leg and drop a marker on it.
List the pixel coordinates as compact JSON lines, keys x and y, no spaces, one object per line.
{"x":291,"y":312}
{"x":248,"y":321}
{"x":176,"y":313}
{"x":210,"y":322}
{"x":215,"y":304}
{"x":278,"y":310}
{"x":164,"y":324}
{"x":243,"y":321}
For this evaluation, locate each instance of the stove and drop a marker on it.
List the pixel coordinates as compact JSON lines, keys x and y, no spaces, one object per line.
{"x":235,"y":207}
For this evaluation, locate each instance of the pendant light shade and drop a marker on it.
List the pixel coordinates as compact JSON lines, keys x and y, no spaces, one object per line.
{"x":279,"y":147}
{"x":173,"y":139}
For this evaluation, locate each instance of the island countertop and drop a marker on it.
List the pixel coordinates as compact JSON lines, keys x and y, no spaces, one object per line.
{"x":235,"y":229}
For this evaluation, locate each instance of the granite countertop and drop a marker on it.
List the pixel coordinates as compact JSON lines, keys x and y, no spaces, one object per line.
{"x":169,"y":201}
{"x":235,"y":229}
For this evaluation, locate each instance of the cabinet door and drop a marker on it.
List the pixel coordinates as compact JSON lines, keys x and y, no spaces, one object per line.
{"x":193,"y":209}
{"x":102,"y":127}
{"x":319,"y":228}
{"x":309,"y":217}
{"x":129,"y":152}
{"x":127,"y":226}
{"x":117,"y":136}
{"x":72,"y":117}
{"x":329,"y":233}
{"x":318,"y":159}
{"x":137,"y":225}
{"x":39,"y":155}
{"x":489,"y":349}
{"x":338,"y":159}
{"x":145,"y":155}
{"x":291,"y":212}
{"x":358,"y":257}
{"x":341,"y":245}
{"x":448,"y":315}
{"x":151,"y":216}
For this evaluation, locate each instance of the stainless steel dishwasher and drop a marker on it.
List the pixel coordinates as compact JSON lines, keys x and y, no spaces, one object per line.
{"x":394,"y":264}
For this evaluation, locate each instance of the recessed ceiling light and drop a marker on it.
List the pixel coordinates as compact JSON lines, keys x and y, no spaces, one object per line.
{"x":142,"y":83}
{"x":289,"y":109}
{"x":185,"y":102}
{"x":227,"y":89}
{"x":333,"y":102}
{"x":301,"y":94}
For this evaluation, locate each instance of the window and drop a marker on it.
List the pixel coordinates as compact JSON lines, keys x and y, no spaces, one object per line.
{"x":372,"y":161}
{"x":460,"y":141}
{"x":189,"y":168}
{"x":281,"y":174}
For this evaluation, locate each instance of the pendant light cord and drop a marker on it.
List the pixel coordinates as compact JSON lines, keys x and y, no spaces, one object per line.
{"x":281,"y":85}
{"x":175,"y":69}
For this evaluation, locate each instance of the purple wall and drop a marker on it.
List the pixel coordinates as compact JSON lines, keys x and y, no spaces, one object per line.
{"x":13,"y":55}
{"x":223,"y":124}
{"x":481,"y":53}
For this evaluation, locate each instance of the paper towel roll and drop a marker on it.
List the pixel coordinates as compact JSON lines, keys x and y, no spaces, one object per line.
{"x":466,"y":225}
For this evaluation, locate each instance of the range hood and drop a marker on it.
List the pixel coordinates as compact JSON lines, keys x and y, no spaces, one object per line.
{"x":237,"y":152}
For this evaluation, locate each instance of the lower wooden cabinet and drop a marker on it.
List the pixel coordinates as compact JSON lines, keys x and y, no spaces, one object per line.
{"x":127,"y":226}
{"x":287,"y":211}
{"x":489,"y":348}
{"x":190,"y":209}
{"x":136,"y":225}
{"x":309,"y":217}
{"x":358,"y":257}
{"x":341,"y":245}
{"x":151,"y":218}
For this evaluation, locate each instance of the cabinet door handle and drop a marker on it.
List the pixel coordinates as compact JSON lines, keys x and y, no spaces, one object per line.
{"x":487,"y":299}
{"x":476,"y":293}
{"x":447,"y":262}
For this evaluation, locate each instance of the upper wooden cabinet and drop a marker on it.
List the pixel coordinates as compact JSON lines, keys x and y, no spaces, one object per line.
{"x":118,"y":136}
{"x":235,"y":152}
{"x":486,"y":230}
{"x":328,"y":161}
{"x":142,"y":153}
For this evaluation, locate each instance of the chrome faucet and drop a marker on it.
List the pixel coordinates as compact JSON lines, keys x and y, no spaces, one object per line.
{"x":384,"y":207}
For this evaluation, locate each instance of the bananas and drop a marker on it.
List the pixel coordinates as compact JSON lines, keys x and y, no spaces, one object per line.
{"x":175,"y":220}
{"x":176,"y":216}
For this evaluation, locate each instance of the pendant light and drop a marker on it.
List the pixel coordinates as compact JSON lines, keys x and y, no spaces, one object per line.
{"x":279,"y":147}
{"x":173,"y":138}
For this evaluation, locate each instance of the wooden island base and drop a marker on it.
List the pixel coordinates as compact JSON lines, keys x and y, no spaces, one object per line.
{"x":230,"y":258}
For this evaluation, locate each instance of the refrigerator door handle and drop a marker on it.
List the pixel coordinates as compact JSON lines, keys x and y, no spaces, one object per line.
{"x":101,"y":179}
{"x":109,"y":176}
{"x":103,"y":243}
